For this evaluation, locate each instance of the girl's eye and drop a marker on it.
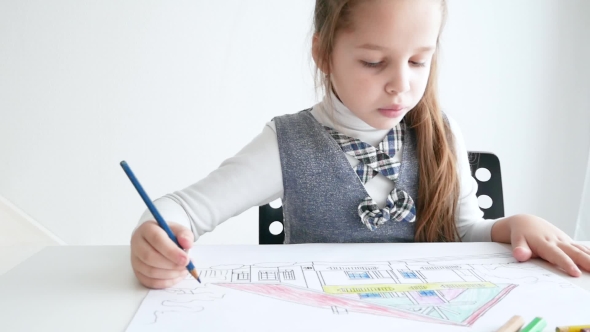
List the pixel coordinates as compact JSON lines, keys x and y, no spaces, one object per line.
{"x":418,"y":64}
{"x":372,"y":64}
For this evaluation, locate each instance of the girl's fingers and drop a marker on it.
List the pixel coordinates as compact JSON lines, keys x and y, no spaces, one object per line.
{"x":160,"y":241}
{"x":582,"y":248}
{"x":156,"y":273}
{"x":143,"y":250}
{"x":520,"y":249}
{"x":184,"y":235}
{"x":157,"y":283}
{"x":555,"y":255}
{"x":579,"y":254}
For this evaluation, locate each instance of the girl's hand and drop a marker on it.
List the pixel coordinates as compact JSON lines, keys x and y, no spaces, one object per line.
{"x":532,"y":236}
{"x":156,"y":260}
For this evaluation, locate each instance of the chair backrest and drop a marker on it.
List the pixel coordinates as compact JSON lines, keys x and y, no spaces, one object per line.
{"x":485,"y":169}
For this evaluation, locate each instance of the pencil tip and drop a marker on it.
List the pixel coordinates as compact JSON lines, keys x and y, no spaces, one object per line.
{"x":194,"y":273}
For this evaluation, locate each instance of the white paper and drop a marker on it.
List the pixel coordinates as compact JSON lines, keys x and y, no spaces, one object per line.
{"x":348,"y":287}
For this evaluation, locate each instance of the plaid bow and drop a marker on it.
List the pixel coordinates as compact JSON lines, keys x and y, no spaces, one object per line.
{"x":399,"y":206}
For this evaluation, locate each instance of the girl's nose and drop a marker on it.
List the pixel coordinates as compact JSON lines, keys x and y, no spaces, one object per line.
{"x":398,"y":80}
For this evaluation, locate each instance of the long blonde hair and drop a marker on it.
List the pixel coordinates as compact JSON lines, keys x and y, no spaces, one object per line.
{"x":438,"y":190}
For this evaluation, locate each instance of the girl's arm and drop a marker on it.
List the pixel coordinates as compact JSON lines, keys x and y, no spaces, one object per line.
{"x":250,"y":178}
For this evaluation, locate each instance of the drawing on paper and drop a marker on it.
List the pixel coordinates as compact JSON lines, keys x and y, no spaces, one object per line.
{"x":418,"y":290}
{"x":194,"y":304}
{"x":452,"y":290}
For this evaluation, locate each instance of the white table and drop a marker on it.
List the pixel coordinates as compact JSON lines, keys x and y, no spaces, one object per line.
{"x":92,"y":288}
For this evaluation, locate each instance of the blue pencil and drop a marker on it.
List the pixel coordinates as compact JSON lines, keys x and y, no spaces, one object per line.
{"x":190,"y":267}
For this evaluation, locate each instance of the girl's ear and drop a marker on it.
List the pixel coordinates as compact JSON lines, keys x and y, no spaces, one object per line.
{"x":315,"y":45}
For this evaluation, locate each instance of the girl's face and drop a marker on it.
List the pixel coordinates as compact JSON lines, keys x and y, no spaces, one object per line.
{"x":379,"y":69}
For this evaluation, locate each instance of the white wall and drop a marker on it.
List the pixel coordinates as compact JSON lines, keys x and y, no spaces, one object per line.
{"x":515,"y":76}
{"x":173,"y":88}
{"x":84,"y":85}
{"x":583,"y":225}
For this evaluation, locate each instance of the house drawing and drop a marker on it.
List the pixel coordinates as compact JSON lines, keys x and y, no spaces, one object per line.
{"x":449,"y":290}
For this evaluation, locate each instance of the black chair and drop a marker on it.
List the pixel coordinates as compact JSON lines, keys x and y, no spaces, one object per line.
{"x":485,"y":169}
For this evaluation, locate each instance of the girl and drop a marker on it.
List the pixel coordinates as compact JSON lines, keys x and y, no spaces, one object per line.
{"x":375,"y":161}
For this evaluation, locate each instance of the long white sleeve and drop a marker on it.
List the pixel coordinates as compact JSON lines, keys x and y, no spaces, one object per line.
{"x":250,"y":178}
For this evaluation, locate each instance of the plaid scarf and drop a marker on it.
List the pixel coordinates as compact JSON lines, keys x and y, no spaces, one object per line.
{"x":399,"y":206}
